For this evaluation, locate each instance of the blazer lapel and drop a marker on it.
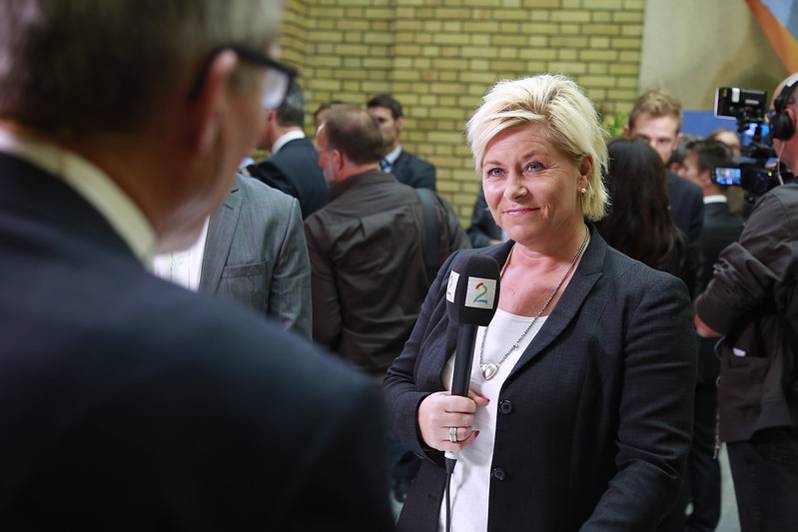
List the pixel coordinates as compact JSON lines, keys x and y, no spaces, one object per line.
{"x":221,"y":229}
{"x":587,"y":274}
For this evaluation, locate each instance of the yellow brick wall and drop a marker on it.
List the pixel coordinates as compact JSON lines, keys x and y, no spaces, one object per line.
{"x":438,"y":57}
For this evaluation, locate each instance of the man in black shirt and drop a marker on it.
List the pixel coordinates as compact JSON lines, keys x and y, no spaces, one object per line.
{"x":753,"y":301}
{"x":721,"y":228}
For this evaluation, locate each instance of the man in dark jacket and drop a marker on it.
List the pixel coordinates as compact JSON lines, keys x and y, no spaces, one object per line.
{"x":721,"y":228}
{"x":369,"y":254}
{"x":483,"y":230}
{"x":368,"y":274}
{"x":406,"y":167}
{"x":293,"y":165}
{"x":753,"y":301}
{"x":128,"y":403}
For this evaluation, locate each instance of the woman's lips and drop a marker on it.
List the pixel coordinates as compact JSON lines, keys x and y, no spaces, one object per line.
{"x":520,"y":211}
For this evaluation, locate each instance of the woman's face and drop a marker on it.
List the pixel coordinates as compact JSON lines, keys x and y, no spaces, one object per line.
{"x":532,"y":188}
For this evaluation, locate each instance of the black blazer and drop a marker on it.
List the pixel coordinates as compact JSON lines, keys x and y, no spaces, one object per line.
{"x":295,"y":170}
{"x":594,"y":420}
{"x":687,"y":211}
{"x":721,"y":228}
{"x":129,"y":403}
{"x":413,"y":171}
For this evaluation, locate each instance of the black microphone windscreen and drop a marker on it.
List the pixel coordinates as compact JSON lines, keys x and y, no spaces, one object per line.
{"x":472,"y":293}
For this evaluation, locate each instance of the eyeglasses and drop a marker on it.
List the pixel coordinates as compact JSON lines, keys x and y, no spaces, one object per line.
{"x":278,"y":75}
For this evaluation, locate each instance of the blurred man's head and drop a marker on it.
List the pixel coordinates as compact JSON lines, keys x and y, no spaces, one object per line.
{"x":703,"y":156}
{"x":289,"y":116}
{"x":676,"y":161}
{"x":388,"y":113}
{"x":167,"y":117}
{"x":727,"y":137}
{"x":656,"y":118}
{"x":349,"y":142}
{"x":321,"y":112}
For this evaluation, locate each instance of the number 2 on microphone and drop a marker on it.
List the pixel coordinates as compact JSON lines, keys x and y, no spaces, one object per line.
{"x":480,"y":296}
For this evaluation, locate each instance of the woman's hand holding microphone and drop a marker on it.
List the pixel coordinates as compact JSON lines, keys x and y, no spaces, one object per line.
{"x":446,"y":421}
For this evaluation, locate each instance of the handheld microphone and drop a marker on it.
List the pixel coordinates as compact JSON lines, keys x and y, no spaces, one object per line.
{"x":472,"y":296}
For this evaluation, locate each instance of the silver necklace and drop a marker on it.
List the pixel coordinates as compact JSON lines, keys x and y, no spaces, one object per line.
{"x":489,"y":369}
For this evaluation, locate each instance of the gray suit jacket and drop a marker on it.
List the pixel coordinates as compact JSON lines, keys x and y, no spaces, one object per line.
{"x":256,"y":254}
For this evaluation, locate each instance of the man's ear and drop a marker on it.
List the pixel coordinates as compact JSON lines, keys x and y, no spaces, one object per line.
{"x":338,"y":161}
{"x":210,"y":102}
{"x":706,"y":178}
{"x":400,"y":123}
{"x":266,"y":138}
{"x":790,"y":110}
{"x":627,"y":131}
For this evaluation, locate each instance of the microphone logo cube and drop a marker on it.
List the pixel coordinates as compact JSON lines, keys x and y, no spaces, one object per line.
{"x":451,"y":288}
{"x":480,"y":293}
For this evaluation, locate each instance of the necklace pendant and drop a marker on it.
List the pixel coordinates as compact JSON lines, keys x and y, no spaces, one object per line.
{"x":489,"y":370}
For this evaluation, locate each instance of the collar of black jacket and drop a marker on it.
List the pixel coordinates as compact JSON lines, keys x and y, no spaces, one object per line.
{"x":370,"y":178}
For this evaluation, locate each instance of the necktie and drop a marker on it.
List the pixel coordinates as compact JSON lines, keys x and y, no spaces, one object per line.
{"x":385,"y":165}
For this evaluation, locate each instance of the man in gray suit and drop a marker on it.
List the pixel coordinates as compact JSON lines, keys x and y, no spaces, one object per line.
{"x":253,"y":252}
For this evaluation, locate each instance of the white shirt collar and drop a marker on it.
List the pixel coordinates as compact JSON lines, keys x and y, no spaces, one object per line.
{"x":715,"y":198}
{"x":183,"y":267}
{"x":393,"y":155}
{"x":92,"y":184}
{"x":285,"y":138}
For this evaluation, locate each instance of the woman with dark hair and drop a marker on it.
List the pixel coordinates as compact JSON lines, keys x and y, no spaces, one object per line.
{"x":639,"y":222}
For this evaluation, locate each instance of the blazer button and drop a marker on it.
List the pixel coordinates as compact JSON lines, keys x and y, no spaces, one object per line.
{"x":505,"y":406}
{"x":498,"y":473}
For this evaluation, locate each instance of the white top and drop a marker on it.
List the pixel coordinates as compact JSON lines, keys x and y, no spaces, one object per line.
{"x":90,"y":182}
{"x":715,"y":198}
{"x":285,"y":138}
{"x":470,"y":486}
{"x":183,"y":267}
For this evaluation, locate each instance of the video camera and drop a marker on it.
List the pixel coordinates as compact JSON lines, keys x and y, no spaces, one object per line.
{"x":755,"y":171}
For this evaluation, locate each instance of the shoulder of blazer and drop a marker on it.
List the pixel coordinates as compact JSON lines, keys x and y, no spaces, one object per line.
{"x":296,"y":150}
{"x":411,"y":160}
{"x":273,"y":202}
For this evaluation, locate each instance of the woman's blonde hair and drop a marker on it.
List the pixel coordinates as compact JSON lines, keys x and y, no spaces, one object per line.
{"x":568,"y":118}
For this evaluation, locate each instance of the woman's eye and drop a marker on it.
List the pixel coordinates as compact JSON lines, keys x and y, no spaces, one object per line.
{"x":495,"y":172}
{"x":533,"y":166}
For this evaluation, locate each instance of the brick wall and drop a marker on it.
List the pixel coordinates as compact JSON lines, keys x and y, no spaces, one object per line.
{"x":438,"y":57}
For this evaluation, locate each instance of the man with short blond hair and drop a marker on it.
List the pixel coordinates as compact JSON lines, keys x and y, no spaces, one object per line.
{"x":656,"y":117}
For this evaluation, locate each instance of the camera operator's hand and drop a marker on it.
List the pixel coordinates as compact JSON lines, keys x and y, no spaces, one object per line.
{"x":704,"y":330}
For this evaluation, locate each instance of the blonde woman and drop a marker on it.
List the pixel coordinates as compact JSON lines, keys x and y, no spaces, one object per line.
{"x":581,"y":393}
